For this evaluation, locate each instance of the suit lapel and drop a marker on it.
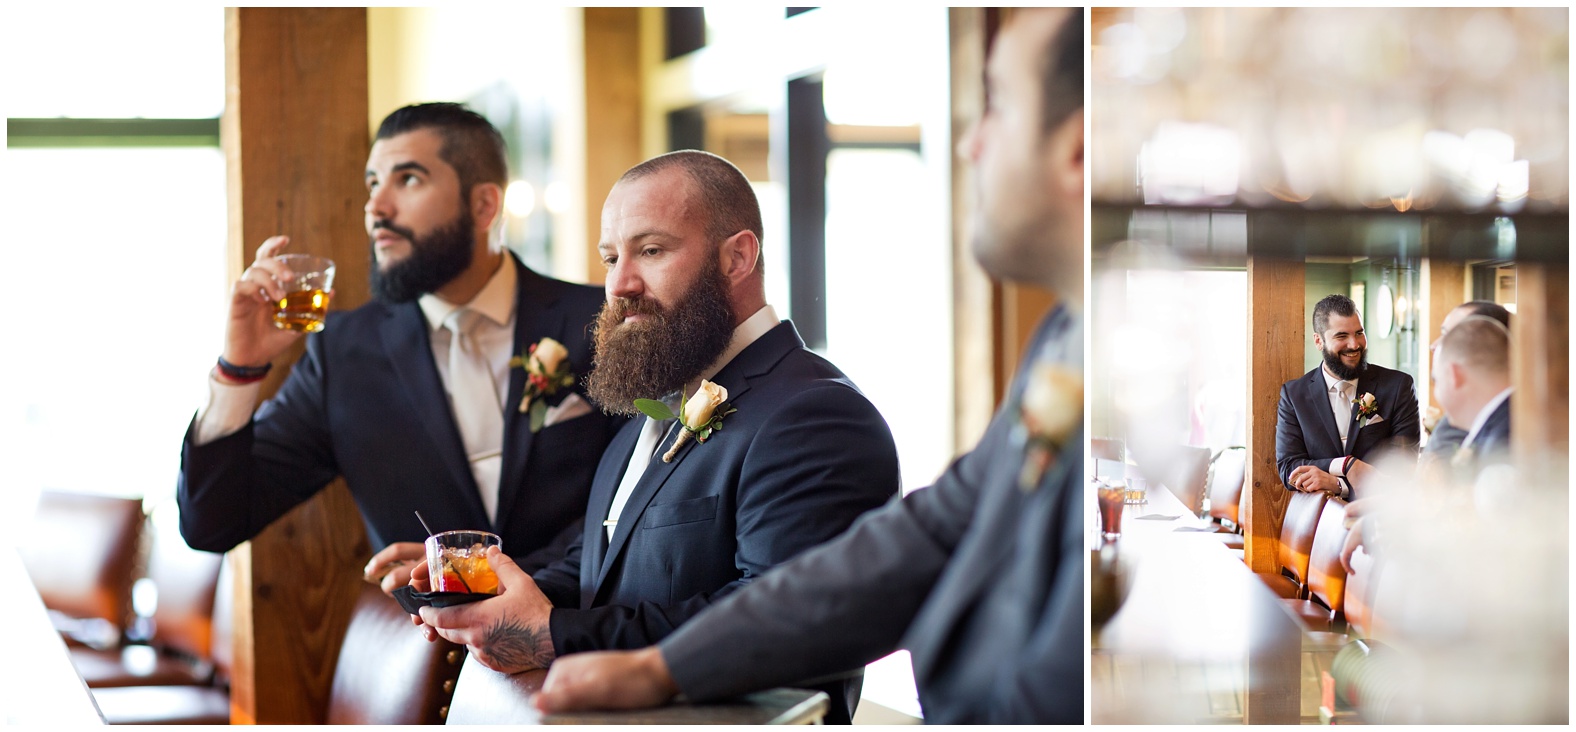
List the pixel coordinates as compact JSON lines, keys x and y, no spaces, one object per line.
{"x":407,"y":343}
{"x":594,"y":545}
{"x":756,"y":360}
{"x":656,"y":474}
{"x":534,"y":319}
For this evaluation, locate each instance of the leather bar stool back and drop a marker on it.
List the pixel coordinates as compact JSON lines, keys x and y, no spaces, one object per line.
{"x":387,"y":672}
{"x":180,"y":649}
{"x":1360,"y":585}
{"x":1190,"y":477}
{"x":81,"y":551}
{"x":1296,"y":544}
{"x":1326,"y":585}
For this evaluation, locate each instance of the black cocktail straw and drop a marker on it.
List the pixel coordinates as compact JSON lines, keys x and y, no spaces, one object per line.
{"x":424,"y":525}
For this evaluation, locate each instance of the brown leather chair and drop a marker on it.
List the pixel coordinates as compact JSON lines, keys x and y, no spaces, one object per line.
{"x":1227,"y":475}
{"x":81,"y":551}
{"x":179,"y":650}
{"x":208,"y":704}
{"x":1326,"y":579}
{"x":1105,"y":451}
{"x":388,"y":673}
{"x":1360,"y":595}
{"x":1190,"y":476}
{"x":1296,"y":544}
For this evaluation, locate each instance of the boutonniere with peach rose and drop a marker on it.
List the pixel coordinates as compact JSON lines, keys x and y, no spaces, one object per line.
{"x":547,"y":371}
{"x":699,"y":415}
{"x":1365,"y":408}
{"x":1050,"y":411}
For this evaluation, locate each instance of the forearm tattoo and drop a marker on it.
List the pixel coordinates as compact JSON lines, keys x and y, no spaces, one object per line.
{"x":513,"y":645}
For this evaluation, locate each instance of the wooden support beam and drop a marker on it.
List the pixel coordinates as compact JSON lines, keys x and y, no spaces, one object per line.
{"x":1444,"y":284}
{"x":613,"y":89}
{"x":1540,"y":362}
{"x":1276,"y":334}
{"x":295,"y":138}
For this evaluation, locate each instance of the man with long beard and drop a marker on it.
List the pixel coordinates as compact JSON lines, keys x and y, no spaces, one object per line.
{"x":773,"y":452}
{"x":1334,"y":421}
{"x":411,"y":397}
{"x":981,"y":575}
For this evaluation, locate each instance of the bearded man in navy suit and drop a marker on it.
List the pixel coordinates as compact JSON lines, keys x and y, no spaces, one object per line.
{"x":777,"y":451}
{"x":981,"y":575}
{"x":375,"y":399}
{"x":1334,"y":421}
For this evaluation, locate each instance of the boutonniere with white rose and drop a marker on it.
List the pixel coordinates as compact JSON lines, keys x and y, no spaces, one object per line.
{"x":547,"y":370}
{"x":699,"y":415}
{"x":1365,"y":408}
{"x":1050,"y":411}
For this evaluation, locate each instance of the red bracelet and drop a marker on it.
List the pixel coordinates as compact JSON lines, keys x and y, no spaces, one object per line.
{"x":1346,"y":465}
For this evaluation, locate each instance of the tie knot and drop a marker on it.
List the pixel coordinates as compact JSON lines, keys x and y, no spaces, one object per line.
{"x":461,"y":321}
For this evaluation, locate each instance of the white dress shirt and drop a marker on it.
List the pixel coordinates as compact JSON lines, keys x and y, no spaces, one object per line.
{"x":1341,"y":408}
{"x":652,"y":437}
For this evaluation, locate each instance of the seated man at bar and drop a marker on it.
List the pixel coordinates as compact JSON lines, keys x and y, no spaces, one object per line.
{"x":411,"y":397}
{"x":1446,"y":437}
{"x":1334,"y":421}
{"x":1472,"y":382}
{"x":774,"y":450}
{"x":981,"y":575}
{"x":1471,"y":375}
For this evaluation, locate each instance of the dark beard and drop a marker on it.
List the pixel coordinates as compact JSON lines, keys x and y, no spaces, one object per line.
{"x":656,"y":357}
{"x":1341,"y":370}
{"x":434,"y":260}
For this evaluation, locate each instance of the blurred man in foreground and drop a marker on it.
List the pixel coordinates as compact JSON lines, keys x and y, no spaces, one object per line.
{"x":979,"y":576}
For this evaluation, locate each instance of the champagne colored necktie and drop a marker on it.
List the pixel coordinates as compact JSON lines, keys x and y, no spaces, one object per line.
{"x":478,"y":413}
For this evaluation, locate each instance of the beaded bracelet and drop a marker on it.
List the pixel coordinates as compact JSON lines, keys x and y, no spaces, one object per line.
{"x":243,"y":374}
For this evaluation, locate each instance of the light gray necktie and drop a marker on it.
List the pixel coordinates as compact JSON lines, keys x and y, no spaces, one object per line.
{"x":477,"y":411}
{"x":651,"y":434}
{"x":1343,"y":411}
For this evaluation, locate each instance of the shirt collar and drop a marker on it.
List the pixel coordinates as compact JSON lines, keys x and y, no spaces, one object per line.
{"x":746,"y":333}
{"x":496,"y":300}
{"x":1483,"y":415}
{"x":1330,"y":381}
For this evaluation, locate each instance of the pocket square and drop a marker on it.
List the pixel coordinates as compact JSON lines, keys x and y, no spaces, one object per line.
{"x":1376,"y":420}
{"x":572,"y":406}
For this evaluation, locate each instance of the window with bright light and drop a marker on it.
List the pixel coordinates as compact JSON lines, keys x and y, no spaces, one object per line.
{"x":117,"y":269}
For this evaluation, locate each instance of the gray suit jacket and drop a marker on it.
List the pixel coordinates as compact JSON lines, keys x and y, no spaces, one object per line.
{"x":981,"y":580}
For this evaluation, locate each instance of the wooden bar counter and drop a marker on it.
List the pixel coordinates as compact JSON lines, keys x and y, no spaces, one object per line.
{"x":1199,"y":639}
{"x":39,"y":687}
{"x":484,"y":696}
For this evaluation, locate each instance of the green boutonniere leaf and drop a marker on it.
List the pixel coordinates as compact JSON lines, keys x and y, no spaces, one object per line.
{"x":654,"y":409}
{"x":538,"y":415}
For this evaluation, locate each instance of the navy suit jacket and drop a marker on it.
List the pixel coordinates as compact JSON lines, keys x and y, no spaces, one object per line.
{"x":1491,"y":444}
{"x":805,"y":454}
{"x":980,"y":579}
{"x":1305,"y":430}
{"x":365,"y":402}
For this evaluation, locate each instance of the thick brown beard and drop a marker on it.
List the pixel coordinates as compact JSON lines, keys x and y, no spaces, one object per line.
{"x":657,"y":356}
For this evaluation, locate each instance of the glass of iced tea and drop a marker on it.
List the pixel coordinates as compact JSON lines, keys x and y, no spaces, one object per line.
{"x":457,"y":561}
{"x":305,"y":303}
{"x":1112,"y":499}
